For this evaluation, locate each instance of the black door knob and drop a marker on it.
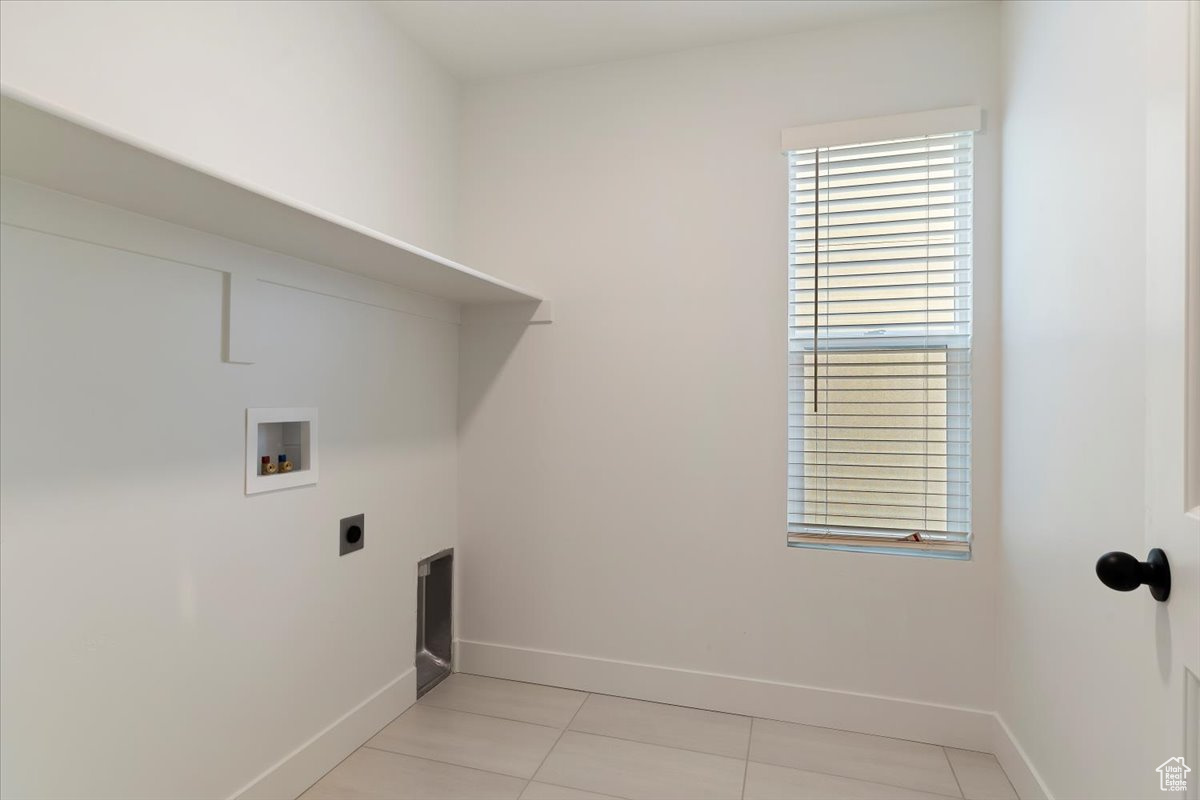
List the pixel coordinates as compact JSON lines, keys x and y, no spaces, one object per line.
{"x":1125,"y":573}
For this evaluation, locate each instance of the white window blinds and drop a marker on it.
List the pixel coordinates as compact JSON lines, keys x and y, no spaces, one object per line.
{"x":879,"y":402}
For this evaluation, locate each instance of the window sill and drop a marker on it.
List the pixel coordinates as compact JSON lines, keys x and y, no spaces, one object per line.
{"x":954,"y":551}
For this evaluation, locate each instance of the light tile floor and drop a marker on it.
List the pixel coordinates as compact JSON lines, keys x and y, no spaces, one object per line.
{"x":474,"y":737}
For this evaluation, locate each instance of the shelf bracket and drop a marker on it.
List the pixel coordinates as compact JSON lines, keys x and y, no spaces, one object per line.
{"x":238,"y":320}
{"x":543,"y":314}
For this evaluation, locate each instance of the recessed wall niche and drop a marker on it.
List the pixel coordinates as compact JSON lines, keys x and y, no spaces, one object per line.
{"x":281,"y":448}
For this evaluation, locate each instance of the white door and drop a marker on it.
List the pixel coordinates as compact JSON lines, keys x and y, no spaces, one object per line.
{"x":1173,"y":363}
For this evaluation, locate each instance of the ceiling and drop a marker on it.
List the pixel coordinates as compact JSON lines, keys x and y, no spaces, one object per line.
{"x":480,"y":39}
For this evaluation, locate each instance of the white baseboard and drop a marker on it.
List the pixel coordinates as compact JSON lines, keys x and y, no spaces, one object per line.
{"x":1021,"y":773}
{"x":884,"y":716}
{"x":305,"y":765}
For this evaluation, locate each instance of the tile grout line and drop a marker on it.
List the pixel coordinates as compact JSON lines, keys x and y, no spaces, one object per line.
{"x":857,"y":733}
{"x":672,"y":705}
{"x":355,"y":750}
{"x":556,"y":741}
{"x":593,"y":733}
{"x":618,"y":696}
{"x":654,"y":744}
{"x":953,"y":772}
{"x":1004,"y":772}
{"x":572,"y":788}
{"x":335,"y":766}
{"x":491,"y":716}
{"x":858,"y":780}
{"x":746,"y":768}
{"x":439,"y":761}
{"x":999,"y":766}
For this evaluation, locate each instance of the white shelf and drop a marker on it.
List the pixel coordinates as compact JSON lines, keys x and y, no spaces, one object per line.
{"x":53,"y":148}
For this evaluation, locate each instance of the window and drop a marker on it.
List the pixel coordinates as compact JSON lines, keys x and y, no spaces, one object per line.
{"x":879,"y":396}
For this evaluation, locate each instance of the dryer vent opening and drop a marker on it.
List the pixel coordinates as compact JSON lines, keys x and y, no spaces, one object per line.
{"x":435,"y":577}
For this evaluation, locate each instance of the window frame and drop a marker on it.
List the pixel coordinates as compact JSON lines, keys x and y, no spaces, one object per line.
{"x":959,"y":398}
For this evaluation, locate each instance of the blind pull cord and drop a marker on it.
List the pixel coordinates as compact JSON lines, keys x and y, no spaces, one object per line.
{"x":816,"y":278}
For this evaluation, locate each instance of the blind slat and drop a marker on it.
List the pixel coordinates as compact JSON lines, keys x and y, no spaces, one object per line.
{"x":874,"y":248}
{"x":957,"y":184}
{"x":866,"y":196}
{"x":874,"y":228}
{"x":842,"y":180}
{"x":872,"y":205}
{"x":856,"y":330}
{"x":891,"y":236}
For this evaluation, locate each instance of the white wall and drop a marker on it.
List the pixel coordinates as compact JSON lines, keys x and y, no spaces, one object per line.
{"x":1078,"y":661}
{"x":325,"y":102}
{"x":164,"y":635}
{"x":623,"y":471}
